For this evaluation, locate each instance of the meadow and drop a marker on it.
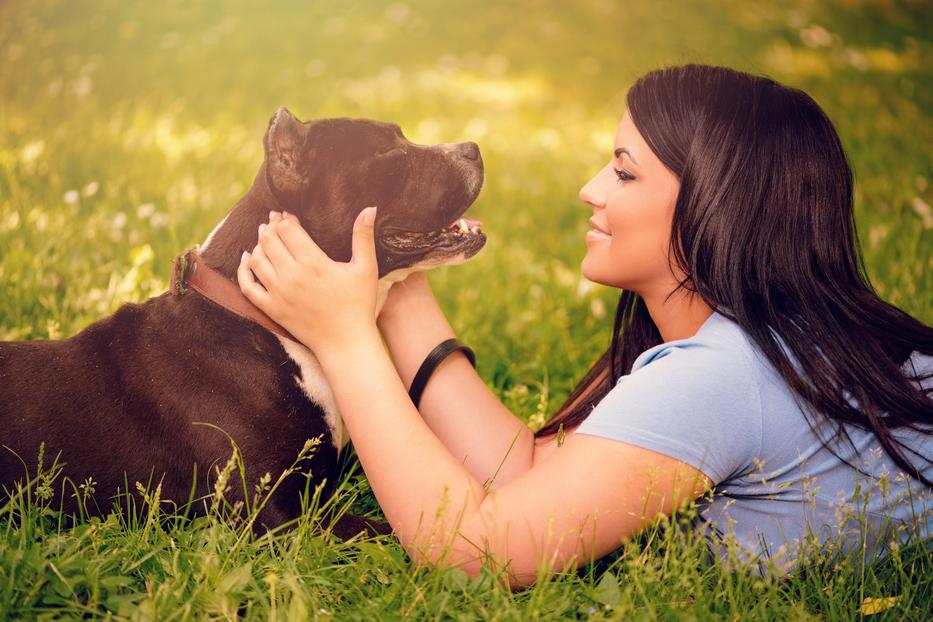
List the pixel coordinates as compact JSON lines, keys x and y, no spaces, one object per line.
{"x":128,"y":129}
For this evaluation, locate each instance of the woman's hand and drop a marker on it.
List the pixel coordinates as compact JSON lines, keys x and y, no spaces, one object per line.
{"x":322,"y":302}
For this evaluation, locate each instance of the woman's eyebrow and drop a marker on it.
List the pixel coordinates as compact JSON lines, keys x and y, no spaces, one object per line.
{"x":622,"y":150}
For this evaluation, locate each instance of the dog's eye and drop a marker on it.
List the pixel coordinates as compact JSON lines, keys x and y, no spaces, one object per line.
{"x":393,"y":151}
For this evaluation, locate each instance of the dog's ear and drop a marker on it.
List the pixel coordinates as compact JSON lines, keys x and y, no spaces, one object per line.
{"x":284,"y":139}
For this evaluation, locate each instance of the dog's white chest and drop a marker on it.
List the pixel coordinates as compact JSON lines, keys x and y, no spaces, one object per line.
{"x":311,"y":380}
{"x":311,"y":377}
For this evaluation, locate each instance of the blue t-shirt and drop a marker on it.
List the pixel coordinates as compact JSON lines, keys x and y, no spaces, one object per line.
{"x":714,"y":402}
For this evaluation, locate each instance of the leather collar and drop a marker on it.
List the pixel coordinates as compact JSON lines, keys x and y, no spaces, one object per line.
{"x":190,"y":272}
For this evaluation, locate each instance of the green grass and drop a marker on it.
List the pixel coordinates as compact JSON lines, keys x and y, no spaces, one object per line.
{"x":127,"y":129}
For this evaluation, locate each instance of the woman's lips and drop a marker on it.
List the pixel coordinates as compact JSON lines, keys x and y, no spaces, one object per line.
{"x":597,"y":233}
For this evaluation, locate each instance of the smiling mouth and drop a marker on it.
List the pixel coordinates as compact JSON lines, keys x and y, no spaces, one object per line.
{"x":463,"y":236}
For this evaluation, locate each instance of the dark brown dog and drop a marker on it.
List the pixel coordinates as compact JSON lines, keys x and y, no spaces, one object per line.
{"x":120,"y":400}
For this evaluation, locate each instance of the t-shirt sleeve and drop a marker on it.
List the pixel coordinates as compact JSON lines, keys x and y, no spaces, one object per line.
{"x":696,"y":405}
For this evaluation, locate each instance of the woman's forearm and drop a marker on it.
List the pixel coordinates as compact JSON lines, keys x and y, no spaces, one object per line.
{"x":424,"y":493}
{"x":493,"y":444}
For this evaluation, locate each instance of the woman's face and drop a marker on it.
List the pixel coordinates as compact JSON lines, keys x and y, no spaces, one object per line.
{"x":633,"y":200}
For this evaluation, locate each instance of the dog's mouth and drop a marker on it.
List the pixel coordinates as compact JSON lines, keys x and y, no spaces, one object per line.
{"x":458,"y":241}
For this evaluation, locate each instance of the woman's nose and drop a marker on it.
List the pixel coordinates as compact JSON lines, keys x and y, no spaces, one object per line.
{"x":591,"y":193}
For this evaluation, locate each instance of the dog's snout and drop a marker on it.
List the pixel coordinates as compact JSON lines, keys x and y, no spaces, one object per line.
{"x":469,"y":150}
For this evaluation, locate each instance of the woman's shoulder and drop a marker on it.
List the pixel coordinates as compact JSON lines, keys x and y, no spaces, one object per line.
{"x":720,"y":351}
{"x":694,"y":399}
{"x":710,"y":374}
{"x":920,"y":366}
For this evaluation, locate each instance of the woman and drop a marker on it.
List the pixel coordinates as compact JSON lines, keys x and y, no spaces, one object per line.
{"x":752,"y":356}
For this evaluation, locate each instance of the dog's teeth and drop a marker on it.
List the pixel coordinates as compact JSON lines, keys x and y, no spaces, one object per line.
{"x":464,"y":228}
{"x":475,"y":229}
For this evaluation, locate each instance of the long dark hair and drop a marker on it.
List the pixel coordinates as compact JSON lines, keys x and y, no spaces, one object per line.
{"x":763,"y":229}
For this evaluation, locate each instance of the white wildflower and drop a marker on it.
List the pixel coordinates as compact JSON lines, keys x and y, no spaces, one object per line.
{"x":598,"y":307}
{"x":924,"y":211}
{"x":397,"y":13}
{"x":159,"y":220}
{"x":476,"y":128}
{"x":856,"y":59}
{"x":32,"y":151}
{"x":815,"y":36}
{"x":171,"y":40}
{"x":90,"y":189}
{"x":83,"y":86}
{"x":548,"y":138}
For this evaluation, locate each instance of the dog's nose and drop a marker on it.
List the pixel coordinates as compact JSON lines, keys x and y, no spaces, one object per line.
{"x":470,"y":150}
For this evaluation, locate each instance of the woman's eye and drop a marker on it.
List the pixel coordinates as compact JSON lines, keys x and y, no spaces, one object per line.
{"x":623,"y":175}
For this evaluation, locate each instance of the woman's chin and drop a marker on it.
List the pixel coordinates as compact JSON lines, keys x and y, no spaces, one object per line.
{"x":601,"y":274}
{"x":592,"y":272}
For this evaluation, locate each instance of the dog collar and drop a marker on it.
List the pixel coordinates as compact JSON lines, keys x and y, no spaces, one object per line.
{"x":190,"y":272}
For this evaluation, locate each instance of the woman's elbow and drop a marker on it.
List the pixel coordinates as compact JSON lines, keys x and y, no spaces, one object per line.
{"x":515,"y":576}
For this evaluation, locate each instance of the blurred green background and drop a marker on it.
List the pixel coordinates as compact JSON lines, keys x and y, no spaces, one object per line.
{"x":128,"y":129}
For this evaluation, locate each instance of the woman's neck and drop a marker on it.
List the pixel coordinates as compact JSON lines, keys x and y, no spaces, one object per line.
{"x":679,"y":316}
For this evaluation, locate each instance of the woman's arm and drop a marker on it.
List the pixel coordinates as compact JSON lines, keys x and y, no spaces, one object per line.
{"x":493,"y":444}
{"x":575,"y":506}
{"x":579,"y":503}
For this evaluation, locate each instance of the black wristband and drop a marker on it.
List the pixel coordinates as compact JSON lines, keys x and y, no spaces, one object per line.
{"x":431,"y":361}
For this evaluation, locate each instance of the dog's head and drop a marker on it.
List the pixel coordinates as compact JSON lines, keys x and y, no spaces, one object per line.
{"x":326,"y":171}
